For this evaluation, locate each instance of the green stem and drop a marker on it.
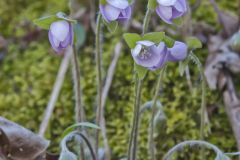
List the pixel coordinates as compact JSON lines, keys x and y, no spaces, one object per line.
{"x":203,"y":106}
{"x":154,"y":108}
{"x":79,"y":112}
{"x":132,"y":149}
{"x":99,"y":78}
{"x":146,"y":20}
{"x":136,"y":121}
{"x":77,"y":88}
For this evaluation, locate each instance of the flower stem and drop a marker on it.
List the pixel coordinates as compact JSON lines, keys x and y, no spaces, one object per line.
{"x":146,"y":20}
{"x":132,"y":149}
{"x":134,"y":133}
{"x":77,"y":88}
{"x":154,"y":108}
{"x":79,"y":111}
{"x":99,"y":78}
{"x":203,"y":106}
{"x":203,"y":111}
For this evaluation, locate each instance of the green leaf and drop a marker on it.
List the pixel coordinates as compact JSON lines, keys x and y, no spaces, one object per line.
{"x":45,"y":22}
{"x":63,"y":16}
{"x":80,"y":35}
{"x":141,"y":71}
{"x":112,"y":26}
{"x":155,"y":37}
{"x":169,"y":41}
{"x":131,"y":39}
{"x":193,"y":43}
{"x":77,"y":125}
{"x":152,"y":4}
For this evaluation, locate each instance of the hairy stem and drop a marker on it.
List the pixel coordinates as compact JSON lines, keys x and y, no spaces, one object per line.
{"x":77,"y":88}
{"x":132,"y":149}
{"x":146,"y":21}
{"x":136,"y":119}
{"x":203,"y":106}
{"x":79,"y":112}
{"x":99,"y":78}
{"x":154,"y":108}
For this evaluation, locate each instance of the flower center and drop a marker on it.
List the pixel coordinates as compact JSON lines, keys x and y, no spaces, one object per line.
{"x":144,"y":53}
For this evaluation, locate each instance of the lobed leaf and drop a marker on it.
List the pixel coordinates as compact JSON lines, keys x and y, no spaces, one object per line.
{"x":155,"y":37}
{"x":131,"y":39}
{"x":193,"y":42}
{"x":45,"y":22}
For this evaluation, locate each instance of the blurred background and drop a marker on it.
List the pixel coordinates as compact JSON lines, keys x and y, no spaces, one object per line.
{"x":28,"y":68}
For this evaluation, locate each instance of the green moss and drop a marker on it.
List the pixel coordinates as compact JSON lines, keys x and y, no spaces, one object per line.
{"x":28,"y":74}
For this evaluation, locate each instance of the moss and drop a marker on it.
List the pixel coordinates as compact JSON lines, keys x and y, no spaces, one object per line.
{"x":28,"y":74}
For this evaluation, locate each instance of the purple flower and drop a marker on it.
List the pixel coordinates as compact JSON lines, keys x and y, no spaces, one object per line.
{"x":119,"y":10}
{"x":168,"y":10}
{"x":152,"y":56}
{"x":60,"y":35}
{"x":149,"y":55}
{"x":178,"y":52}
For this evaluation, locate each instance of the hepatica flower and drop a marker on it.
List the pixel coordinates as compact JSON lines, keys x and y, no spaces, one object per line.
{"x":168,"y":10}
{"x":60,"y":35}
{"x":116,"y":10}
{"x":152,"y":56}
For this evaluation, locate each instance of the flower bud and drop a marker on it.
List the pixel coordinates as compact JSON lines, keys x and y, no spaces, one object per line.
{"x":60,"y":35}
{"x":116,"y":10}
{"x":168,"y":10}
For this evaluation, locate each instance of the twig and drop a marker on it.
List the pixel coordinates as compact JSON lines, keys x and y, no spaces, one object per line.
{"x":56,"y":89}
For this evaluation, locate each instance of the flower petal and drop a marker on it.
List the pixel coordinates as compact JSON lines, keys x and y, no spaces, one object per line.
{"x":69,"y":39}
{"x":120,"y":4}
{"x":145,"y":43}
{"x":165,"y":13}
{"x":60,"y":30}
{"x":178,"y":52}
{"x":125,"y":14}
{"x":136,"y":51}
{"x":54,"y":42}
{"x":150,"y":59}
{"x":163,"y":56}
{"x":109,"y":12}
{"x":166,"y":2}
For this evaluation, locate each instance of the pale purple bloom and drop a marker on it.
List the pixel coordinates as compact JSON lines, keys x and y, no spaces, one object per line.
{"x":168,"y":10}
{"x":152,"y":56}
{"x":60,"y":35}
{"x":178,"y":52}
{"x":116,"y":10}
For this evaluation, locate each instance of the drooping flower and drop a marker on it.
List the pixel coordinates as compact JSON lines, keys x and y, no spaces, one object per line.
{"x":116,"y":10}
{"x":178,"y":52}
{"x":60,"y":35}
{"x":152,"y":56}
{"x":168,"y":10}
